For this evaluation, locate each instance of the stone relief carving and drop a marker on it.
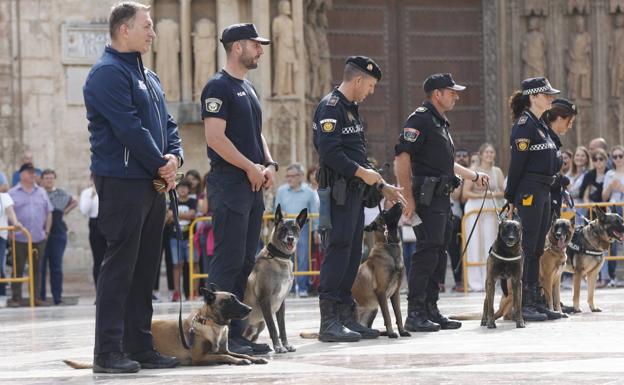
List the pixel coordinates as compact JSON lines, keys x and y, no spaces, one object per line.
{"x":204,"y":48}
{"x":313,"y":53}
{"x":578,"y":6}
{"x":284,"y":51}
{"x":616,"y":6}
{"x":535,"y":7}
{"x":167,"y":49}
{"x":579,"y":55}
{"x":616,"y":56}
{"x":325,"y":75}
{"x":534,"y":50}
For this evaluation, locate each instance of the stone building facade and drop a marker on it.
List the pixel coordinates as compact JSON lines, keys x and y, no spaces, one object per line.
{"x":48,"y":47}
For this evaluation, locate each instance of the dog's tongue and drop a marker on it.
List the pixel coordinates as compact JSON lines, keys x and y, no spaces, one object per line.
{"x":561,"y":243}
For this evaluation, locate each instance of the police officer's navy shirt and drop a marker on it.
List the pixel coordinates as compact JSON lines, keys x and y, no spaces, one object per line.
{"x":532,"y":151}
{"x":339,"y":134}
{"x":426,"y":138}
{"x":235,"y":101}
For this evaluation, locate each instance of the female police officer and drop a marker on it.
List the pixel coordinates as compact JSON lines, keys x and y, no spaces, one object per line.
{"x":532,"y":170}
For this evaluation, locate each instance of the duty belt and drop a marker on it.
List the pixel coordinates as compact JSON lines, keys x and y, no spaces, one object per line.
{"x":442,"y":189}
{"x":540,"y":178}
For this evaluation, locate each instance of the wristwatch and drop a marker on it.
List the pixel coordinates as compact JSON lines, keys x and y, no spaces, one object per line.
{"x":274,"y":164}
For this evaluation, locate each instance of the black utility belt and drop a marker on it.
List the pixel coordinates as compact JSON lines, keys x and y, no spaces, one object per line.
{"x":540,"y":178}
{"x":426,"y":187}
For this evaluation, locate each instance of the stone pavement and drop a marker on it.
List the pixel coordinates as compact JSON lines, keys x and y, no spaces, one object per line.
{"x":586,"y":348}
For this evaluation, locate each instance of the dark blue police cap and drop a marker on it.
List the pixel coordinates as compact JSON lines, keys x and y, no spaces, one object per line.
{"x":243,"y":31}
{"x":437,"y":81}
{"x":566,"y":104}
{"x":367,"y":65}
{"x":538,"y":85}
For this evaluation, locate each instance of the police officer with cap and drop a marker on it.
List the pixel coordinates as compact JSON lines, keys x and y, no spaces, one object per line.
{"x":344,"y":168}
{"x":534,"y":163}
{"x":424,"y":161}
{"x":241,"y":166}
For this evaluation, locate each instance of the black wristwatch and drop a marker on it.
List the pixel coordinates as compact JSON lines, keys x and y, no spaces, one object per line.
{"x":274,"y":164}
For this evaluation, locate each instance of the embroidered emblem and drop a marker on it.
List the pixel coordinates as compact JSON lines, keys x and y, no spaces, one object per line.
{"x":142,"y":85}
{"x":328,"y":125}
{"x":411,"y":134}
{"x":332,"y":101}
{"x":369,"y":67}
{"x":421,"y":109}
{"x":523,"y":119}
{"x":213,"y":105}
{"x":522,"y":144}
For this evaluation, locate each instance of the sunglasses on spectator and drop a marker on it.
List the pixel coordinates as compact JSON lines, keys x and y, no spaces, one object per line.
{"x":598,"y":159}
{"x":291,"y":175}
{"x":617,"y":156}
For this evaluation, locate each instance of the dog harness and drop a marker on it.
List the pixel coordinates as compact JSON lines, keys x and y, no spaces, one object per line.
{"x":578,"y":245}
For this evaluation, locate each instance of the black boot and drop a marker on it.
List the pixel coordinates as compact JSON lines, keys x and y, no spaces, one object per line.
{"x":566,"y":309}
{"x":529,"y":312}
{"x":331,"y":329}
{"x":542,"y":307}
{"x":417,"y":318}
{"x":151,"y":359}
{"x":114,"y":362}
{"x":437,"y":317}
{"x":346,"y":316}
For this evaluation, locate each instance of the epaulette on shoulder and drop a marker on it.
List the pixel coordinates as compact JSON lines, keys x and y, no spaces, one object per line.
{"x":333,"y":100}
{"x":421,"y":109}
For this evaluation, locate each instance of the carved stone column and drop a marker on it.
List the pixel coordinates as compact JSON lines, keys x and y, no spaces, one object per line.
{"x":491,"y":68}
{"x":148,"y":58}
{"x":227,"y":14}
{"x":185,"y":49}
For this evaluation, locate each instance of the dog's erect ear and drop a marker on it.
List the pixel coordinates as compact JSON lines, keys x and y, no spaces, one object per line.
{"x":371,"y":227}
{"x":600,"y":213}
{"x":302,"y":218}
{"x":278,"y":214}
{"x":208,"y":293}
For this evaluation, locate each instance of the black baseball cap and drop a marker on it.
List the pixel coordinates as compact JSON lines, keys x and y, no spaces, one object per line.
{"x":26,"y":167}
{"x":437,"y":81}
{"x":566,"y":104}
{"x":242,"y":31}
{"x":366,"y":64}
{"x":539,"y":85}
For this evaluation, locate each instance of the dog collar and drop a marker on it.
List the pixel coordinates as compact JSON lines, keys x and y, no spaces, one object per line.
{"x":275,"y":252}
{"x":517,"y":257}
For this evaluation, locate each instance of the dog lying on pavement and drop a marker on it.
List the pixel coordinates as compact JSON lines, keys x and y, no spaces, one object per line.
{"x":271,"y":279}
{"x":206,"y":330}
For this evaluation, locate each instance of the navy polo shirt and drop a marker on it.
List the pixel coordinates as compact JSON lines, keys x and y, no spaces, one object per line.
{"x":235,"y":101}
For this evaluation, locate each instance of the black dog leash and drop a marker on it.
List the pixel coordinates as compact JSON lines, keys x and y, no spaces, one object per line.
{"x":176,"y":221}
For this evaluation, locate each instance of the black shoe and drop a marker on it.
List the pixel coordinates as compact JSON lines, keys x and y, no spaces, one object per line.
{"x":346,"y":316}
{"x":540,"y":306}
{"x":416,"y":322}
{"x":436,"y":317}
{"x":332,"y":330}
{"x":255,"y":348}
{"x":567,"y":309}
{"x":239,"y":349}
{"x":529,"y":312}
{"x":114,"y":362}
{"x":151,"y":359}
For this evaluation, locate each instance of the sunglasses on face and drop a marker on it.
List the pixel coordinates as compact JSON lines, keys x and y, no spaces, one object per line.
{"x":617,"y":156}
{"x":598,"y":159}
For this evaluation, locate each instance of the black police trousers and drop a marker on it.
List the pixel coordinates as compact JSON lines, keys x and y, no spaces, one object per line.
{"x":131,"y":218}
{"x":533,"y":204}
{"x":433,"y":237}
{"x":344,"y":249}
{"x":237,"y":219}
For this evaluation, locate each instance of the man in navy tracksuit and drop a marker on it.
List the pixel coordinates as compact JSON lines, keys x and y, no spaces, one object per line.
{"x":133,"y":141}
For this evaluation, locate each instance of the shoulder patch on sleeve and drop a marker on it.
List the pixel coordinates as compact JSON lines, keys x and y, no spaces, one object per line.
{"x":328,"y":125}
{"x":213,"y":105}
{"x":522,"y":144}
{"x":523,"y":119}
{"x":332,"y":101}
{"x":421,"y":109}
{"x":411,"y":134}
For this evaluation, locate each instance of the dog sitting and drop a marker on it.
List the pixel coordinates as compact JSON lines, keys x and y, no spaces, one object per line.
{"x":553,"y":261}
{"x":585,"y":253}
{"x":380,"y":277}
{"x":205,"y":329}
{"x":271,"y":279}
{"x":504,"y":262}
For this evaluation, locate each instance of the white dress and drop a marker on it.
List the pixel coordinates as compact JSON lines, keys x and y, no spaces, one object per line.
{"x":483,"y":236}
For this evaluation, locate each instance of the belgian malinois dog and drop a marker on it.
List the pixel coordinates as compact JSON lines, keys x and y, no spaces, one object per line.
{"x":585,"y":252}
{"x":379,"y":278}
{"x":504,"y":262}
{"x":271,"y":279}
{"x":205,"y":329}
{"x":553,"y":261}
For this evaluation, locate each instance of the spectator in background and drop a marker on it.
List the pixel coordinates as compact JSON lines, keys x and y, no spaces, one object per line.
{"x":613,"y":191}
{"x":34,"y":210}
{"x":4,"y":183}
{"x":591,"y":188}
{"x":62,"y":204}
{"x":317,"y":254}
{"x":581,"y":164}
{"x":566,"y":156}
{"x":487,"y":226}
{"x":601,"y":143}
{"x":462,"y":156}
{"x":293,"y":197}
{"x":187,"y":207}
{"x":89,"y":208}
{"x":193,"y":177}
{"x":27,"y":158}
{"x":7,"y":216}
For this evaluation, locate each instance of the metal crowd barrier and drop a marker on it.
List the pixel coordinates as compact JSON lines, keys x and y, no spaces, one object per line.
{"x":265,"y":233}
{"x":28,"y":279}
{"x":565,"y":213}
